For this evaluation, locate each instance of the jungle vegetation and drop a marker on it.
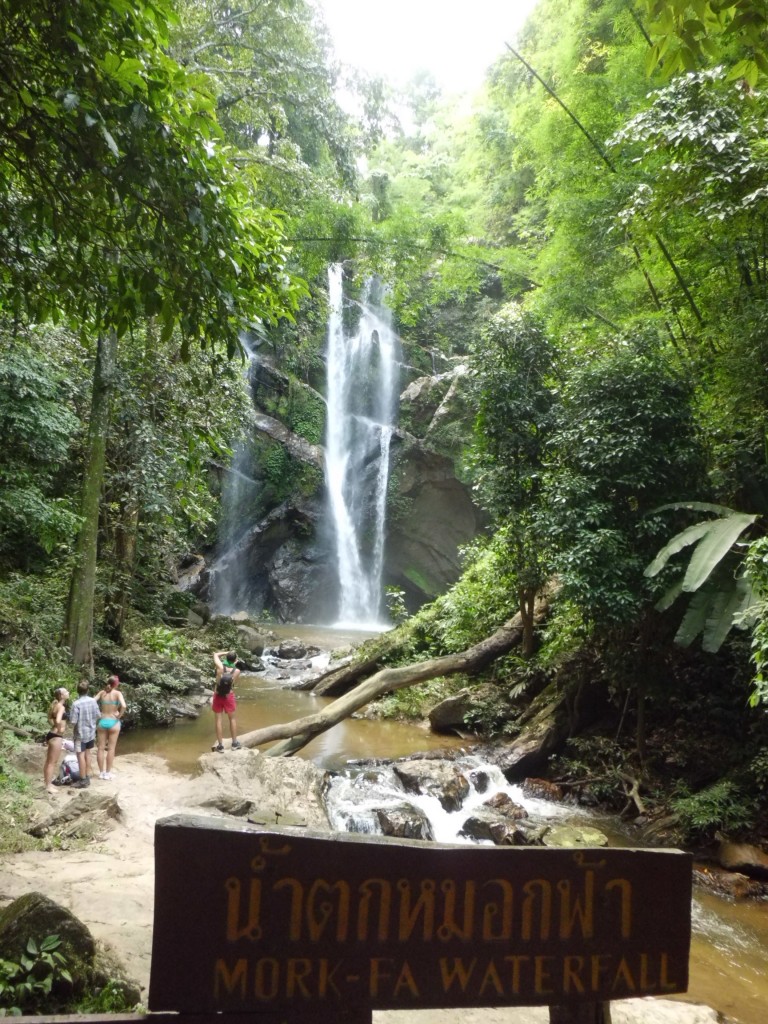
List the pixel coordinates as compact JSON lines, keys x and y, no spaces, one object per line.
{"x":591,"y":237}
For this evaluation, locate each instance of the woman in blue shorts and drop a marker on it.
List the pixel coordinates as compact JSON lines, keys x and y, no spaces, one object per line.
{"x":112,"y":707}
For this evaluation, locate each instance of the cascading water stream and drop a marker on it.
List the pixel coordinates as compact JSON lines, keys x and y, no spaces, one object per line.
{"x":362,"y":379}
{"x":229,"y":578}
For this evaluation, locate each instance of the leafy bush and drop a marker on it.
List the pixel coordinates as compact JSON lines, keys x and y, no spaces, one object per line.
{"x":721,"y":806}
{"x":166,"y":641}
{"x":25,"y":987}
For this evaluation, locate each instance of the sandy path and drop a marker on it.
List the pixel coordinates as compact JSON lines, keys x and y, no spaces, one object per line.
{"x":121,"y":914}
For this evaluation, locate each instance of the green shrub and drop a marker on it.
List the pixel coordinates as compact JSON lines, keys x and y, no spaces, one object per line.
{"x":722,"y":806}
{"x":25,"y":987}
{"x":166,"y":641}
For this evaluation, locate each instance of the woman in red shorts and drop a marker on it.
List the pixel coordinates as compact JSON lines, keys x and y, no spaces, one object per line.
{"x":224,"y":697}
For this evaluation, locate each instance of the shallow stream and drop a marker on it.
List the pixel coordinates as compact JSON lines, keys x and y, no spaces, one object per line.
{"x":729,"y":955}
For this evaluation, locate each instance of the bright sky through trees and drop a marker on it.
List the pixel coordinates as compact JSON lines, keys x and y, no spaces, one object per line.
{"x":456,"y":42}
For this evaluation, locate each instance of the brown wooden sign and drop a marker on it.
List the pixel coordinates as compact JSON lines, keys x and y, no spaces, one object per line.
{"x":277,"y":919}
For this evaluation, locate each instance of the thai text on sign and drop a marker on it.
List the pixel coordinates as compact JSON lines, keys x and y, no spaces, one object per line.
{"x":280,"y":919}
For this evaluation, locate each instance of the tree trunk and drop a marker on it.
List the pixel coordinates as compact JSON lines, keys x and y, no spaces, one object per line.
{"x":527,"y":602}
{"x":297,"y":734}
{"x":78,"y":627}
{"x":118,"y":593}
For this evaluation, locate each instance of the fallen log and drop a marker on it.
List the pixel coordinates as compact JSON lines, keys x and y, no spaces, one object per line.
{"x":297,"y":734}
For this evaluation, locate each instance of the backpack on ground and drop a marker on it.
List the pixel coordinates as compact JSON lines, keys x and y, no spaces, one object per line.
{"x":224,"y":685}
{"x":69,"y":771}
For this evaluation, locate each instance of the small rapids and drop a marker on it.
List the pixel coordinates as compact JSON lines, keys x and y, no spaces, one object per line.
{"x":354,"y":798}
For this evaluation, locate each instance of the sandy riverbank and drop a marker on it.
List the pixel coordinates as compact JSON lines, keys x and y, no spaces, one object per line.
{"x":121,"y":915}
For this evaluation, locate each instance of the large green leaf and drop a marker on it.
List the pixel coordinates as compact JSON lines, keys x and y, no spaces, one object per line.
{"x":695,"y":618}
{"x":690,"y":535}
{"x":728,"y":599}
{"x":714,"y":546}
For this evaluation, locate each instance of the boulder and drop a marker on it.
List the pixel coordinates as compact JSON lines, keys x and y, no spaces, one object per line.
{"x":441,"y":779}
{"x":404,"y":821}
{"x":484,"y":826}
{"x":291,"y":649}
{"x":251,"y":639}
{"x":574,"y":835}
{"x":449,"y":714}
{"x":91,"y":966}
{"x":542,"y":789}
{"x":506,"y":806}
{"x":480,"y":779}
{"x":742,"y":857}
{"x":276,"y":785}
{"x":84,"y":816}
{"x":732,"y":884}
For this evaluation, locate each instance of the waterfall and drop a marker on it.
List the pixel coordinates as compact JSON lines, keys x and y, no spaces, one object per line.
{"x":362,"y":387}
{"x":230,"y":581}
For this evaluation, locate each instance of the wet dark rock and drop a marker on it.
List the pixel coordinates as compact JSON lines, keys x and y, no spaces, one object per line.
{"x":292,"y":649}
{"x":252,"y":639}
{"x":404,"y":822}
{"x":448,"y":715}
{"x":480,"y":780}
{"x":542,"y":789}
{"x":484,"y":826}
{"x":743,"y":857}
{"x":440,"y":779}
{"x":733,"y":884}
{"x":505,"y":805}
{"x":183,"y":708}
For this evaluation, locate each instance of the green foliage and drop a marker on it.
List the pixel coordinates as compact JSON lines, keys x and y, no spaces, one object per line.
{"x":416,"y":701}
{"x":37,"y":425}
{"x":483,"y":598}
{"x":723,"y":596}
{"x":685,"y":33}
{"x":756,"y":572}
{"x":396,"y":607}
{"x":723,"y":806}
{"x":625,"y":441}
{"x":25,"y":987}
{"x":166,"y":641}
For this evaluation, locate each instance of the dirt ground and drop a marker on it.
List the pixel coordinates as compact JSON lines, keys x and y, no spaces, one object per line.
{"x":121,"y":914}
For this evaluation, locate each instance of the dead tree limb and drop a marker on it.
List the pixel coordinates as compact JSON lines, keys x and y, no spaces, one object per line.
{"x":297,"y":734}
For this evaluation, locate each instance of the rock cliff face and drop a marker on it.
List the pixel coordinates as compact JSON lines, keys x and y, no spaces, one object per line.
{"x":280,"y":557}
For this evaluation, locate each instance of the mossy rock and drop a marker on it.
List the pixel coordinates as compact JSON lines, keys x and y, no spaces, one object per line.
{"x":575,"y":836}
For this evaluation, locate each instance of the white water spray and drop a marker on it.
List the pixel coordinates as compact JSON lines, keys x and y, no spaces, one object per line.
{"x":362,"y":383}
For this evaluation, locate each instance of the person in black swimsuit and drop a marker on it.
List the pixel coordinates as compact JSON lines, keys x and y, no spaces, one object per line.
{"x":57,"y":719}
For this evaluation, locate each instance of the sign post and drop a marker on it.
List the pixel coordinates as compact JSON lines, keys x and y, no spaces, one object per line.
{"x":295,"y":925}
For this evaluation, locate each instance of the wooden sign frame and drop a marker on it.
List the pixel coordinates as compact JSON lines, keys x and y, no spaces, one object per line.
{"x":294,"y":924}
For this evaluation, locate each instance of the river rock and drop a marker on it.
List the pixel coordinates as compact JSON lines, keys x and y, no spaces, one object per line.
{"x":286,"y":786}
{"x":183,"y":708}
{"x":480,"y":779}
{"x":449,"y":714}
{"x":252,"y":639}
{"x":441,"y":779}
{"x":291,"y":649}
{"x":404,"y":821}
{"x":484,"y":825}
{"x":542,"y":789}
{"x":83,"y":816}
{"x":574,"y":835}
{"x":503,"y":804}
{"x":743,"y":857}
{"x":728,"y":883}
